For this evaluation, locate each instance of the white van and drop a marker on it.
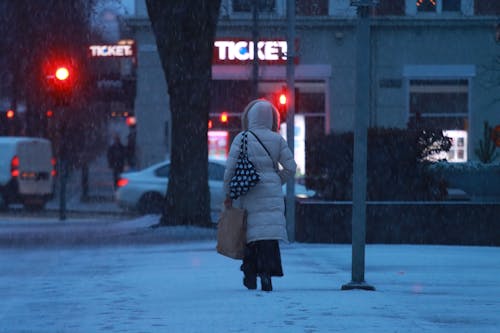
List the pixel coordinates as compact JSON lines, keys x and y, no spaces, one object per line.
{"x":27,"y":171}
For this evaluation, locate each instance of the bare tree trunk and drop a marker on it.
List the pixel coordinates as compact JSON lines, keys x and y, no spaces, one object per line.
{"x":185,"y":31}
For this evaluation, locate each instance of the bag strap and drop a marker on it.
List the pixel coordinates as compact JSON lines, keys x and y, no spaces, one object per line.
{"x":243,"y":146}
{"x":267,"y":151}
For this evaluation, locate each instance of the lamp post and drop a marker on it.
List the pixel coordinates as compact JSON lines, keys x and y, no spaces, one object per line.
{"x":290,"y":118}
{"x":361,"y":117}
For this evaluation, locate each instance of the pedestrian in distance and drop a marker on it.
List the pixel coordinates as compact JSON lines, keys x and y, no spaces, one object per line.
{"x":264,"y":203}
{"x":117,"y":155}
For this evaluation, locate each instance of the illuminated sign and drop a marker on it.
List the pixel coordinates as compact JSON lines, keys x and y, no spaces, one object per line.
{"x":241,"y":51}
{"x":218,"y":144}
{"x":111,"y":50}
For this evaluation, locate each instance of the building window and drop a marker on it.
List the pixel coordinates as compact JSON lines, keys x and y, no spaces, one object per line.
{"x":245,"y":6}
{"x":311,"y":7}
{"x":487,"y":7}
{"x":426,"y":5}
{"x":390,"y":7}
{"x":443,"y":105}
{"x":438,"y":6}
{"x":451,"y":5}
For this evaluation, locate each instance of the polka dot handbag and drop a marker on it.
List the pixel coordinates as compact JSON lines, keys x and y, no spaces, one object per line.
{"x":245,"y":175}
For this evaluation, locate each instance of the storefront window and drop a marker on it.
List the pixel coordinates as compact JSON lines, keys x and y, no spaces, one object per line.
{"x":231,"y":97}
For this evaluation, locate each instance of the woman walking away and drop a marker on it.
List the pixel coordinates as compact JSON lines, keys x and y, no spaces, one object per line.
{"x":264,"y":203}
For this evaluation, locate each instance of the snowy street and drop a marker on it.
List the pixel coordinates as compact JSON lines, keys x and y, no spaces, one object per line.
{"x":185,"y":286}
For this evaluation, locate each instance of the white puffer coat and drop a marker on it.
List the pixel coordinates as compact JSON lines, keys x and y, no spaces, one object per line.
{"x":265,"y":202}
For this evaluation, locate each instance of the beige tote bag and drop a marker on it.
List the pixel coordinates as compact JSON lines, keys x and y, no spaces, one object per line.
{"x":231,"y":232}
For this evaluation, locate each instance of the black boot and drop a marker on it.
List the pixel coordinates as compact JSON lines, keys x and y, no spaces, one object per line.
{"x":250,"y":281}
{"x":248,"y":267}
{"x":265,"y":281}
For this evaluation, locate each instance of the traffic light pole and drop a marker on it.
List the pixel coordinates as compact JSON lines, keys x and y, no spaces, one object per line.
{"x":290,"y":118}
{"x":63,"y":165}
{"x":63,"y":177}
{"x":360,"y":151}
{"x":60,"y":80}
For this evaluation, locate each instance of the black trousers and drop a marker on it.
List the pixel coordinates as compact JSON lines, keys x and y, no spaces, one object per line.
{"x":262,"y":257}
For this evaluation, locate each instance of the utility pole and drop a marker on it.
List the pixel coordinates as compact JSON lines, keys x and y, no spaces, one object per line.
{"x":290,"y":118}
{"x":361,"y":117}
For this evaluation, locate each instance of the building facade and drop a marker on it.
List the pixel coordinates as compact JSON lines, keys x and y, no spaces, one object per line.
{"x":433,"y":64}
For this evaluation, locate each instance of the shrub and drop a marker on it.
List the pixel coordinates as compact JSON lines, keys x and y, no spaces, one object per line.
{"x":485,"y":152}
{"x":396,"y":166}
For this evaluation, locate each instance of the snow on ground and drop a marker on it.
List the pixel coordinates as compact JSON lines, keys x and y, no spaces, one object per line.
{"x":187,"y":287}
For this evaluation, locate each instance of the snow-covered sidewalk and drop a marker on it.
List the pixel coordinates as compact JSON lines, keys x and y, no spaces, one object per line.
{"x":187,"y":287}
{"x":31,"y":232}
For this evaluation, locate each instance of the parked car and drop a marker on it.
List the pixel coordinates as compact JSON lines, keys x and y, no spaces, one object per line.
{"x":143,"y":191}
{"x":27,"y":171}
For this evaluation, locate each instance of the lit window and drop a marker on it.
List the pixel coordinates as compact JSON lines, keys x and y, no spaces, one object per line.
{"x":458,"y":150}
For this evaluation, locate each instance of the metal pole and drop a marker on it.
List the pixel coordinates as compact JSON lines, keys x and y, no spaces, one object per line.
{"x":63,"y":177}
{"x":63,"y":165}
{"x":290,"y":119}
{"x":255,"y":39}
{"x":361,"y":116}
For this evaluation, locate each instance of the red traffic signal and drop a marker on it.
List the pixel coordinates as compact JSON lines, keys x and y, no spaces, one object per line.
{"x":282,"y":103}
{"x":59,"y":75}
{"x":60,"y":79}
{"x":10,"y":114}
{"x":282,"y":99}
{"x":131,"y":121}
{"x":62,"y":73}
{"x":224,"y":117}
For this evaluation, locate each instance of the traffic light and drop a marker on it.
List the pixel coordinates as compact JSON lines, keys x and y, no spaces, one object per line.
{"x":224,"y":121}
{"x":224,"y":118}
{"x":282,"y":103}
{"x":282,"y":99}
{"x":131,"y":121}
{"x":10,"y":122}
{"x":60,"y":80}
